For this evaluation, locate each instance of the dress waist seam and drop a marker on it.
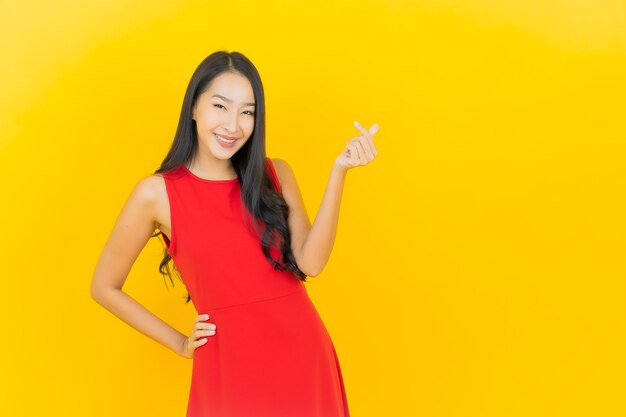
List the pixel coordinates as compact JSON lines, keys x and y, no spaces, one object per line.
{"x":255,"y":301}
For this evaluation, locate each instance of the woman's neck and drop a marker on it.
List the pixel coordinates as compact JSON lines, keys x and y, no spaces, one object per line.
{"x":215,"y":170}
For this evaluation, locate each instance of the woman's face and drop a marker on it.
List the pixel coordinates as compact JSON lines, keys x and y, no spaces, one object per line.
{"x":224,"y":115}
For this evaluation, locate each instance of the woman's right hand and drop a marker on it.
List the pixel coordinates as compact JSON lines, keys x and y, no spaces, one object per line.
{"x":201,"y":328}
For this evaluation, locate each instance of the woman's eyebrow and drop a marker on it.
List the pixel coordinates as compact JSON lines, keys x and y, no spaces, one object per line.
{"x":230,"y":101}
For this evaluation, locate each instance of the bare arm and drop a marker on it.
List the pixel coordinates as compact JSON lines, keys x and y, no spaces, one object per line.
{"x":317,"y":247}
{"x":134,"y":226}
{"x":312,"y":244}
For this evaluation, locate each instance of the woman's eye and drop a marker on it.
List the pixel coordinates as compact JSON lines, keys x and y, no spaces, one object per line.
{"x":219,"y":106}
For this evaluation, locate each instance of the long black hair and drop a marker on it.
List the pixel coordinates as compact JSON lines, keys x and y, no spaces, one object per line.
{"x":263,"y":201}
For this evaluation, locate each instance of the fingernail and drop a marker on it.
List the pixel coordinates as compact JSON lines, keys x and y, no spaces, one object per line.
{"x":356,"y":123}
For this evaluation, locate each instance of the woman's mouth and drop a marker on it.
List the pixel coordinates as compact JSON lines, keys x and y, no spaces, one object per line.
{"x":227,"y":143}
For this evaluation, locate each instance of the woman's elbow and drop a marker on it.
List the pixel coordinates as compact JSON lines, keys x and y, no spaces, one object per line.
{"x":96,"y":293}
{"x":310,"y":270}
{"x":99,"y":292}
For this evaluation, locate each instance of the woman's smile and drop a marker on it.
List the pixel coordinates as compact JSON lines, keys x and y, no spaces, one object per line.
{"x":223,"y":141}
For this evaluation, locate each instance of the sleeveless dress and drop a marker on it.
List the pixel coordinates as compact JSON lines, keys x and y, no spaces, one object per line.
{"x":271,"y":355}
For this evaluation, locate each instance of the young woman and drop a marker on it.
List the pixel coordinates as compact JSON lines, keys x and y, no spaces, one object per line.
{"x":237,"y":231}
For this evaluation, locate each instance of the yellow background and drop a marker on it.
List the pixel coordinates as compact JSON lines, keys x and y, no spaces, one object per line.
{"x":479,"y":264}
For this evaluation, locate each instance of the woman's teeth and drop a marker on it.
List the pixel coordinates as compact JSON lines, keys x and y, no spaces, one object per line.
{"x":221,"y":139}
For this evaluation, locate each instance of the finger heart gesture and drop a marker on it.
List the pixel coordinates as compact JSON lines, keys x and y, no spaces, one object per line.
{"x":359,"y":150}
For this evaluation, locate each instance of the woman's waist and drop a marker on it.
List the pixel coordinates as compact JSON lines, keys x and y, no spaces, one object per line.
{"x":214,"y":302}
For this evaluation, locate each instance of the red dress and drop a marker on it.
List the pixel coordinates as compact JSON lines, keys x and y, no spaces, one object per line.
{"x":271,"y":355}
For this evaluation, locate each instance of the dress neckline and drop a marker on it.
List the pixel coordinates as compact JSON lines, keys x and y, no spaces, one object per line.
{"x":194,"y":176}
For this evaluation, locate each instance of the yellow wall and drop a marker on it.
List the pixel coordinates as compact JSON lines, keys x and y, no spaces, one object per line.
{"x":478,"y":269}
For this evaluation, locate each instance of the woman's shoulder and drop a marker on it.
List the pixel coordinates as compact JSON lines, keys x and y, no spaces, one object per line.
{"x":282,"y":168}
{"x":150,"y":188}
{"x":278,"y":164}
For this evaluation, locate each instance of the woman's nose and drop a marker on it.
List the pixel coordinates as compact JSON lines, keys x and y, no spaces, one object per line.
{"x":230,"y":124}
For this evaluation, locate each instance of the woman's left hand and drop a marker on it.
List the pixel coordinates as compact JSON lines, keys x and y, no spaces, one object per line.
{"x":360,"y":150}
